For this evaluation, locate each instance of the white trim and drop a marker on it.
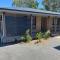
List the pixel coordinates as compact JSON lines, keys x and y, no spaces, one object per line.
{"x":29,"y":13}
{"x":3,"y":24}
{"x":28,"y":9}
{"x":3,"y":37}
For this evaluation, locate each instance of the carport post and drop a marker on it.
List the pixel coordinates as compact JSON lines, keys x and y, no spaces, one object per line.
{"x":31,"y":23}
{"x":3,"y":27}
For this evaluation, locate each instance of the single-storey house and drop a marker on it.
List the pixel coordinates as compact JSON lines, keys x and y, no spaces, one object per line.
{"x":15,"y":21}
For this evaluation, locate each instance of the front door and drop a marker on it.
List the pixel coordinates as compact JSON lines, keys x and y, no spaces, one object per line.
{"x":43,"y":24}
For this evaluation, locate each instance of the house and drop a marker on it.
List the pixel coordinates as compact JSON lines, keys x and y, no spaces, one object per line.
{"x":15,"y":21}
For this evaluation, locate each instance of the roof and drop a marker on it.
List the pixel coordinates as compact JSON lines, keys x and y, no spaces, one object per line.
{"x":29,"y":11}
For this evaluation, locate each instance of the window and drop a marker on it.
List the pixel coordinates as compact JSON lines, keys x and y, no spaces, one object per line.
{"x":56,"y":25}
{"x":16,"y":26}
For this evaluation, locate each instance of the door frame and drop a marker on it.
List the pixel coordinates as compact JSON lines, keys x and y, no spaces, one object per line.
{"x":44,"y":24}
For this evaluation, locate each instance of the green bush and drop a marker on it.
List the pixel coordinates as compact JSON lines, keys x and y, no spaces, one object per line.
{"x":39,"y":36}
{"x":22,"y":38}
{"x":46,"y":35}
{"x":28,"y":38}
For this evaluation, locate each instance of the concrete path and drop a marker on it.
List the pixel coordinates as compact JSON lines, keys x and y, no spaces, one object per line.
{"x":33,"y":52}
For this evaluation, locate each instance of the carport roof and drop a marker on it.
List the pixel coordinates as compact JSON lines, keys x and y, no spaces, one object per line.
{"x":28,"y":11}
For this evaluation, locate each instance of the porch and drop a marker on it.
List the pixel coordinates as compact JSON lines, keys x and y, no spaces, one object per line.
{"x":13,"y":25}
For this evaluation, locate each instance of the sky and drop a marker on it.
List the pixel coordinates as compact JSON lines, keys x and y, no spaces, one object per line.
{"x":5,"y":3}
{"x":40,"y":5}
{"x":8,"y":3}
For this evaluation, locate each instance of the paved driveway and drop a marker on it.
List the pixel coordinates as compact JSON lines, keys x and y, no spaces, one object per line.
{"x":35,"y":52}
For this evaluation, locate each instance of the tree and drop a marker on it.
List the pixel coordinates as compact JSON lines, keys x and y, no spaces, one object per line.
{"x":26,"y":3}
{"x":52,"y":5}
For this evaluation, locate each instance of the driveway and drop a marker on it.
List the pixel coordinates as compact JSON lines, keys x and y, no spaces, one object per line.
{"x":33,"y":52}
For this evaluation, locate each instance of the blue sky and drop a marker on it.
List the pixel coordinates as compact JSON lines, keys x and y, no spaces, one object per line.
{"x":8,"y":3}
{"x":40,"y":5}
{"x":5,"y":3}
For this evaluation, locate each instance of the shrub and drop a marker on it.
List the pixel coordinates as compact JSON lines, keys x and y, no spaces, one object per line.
{"x":28,"y":38}
{"x":27,"y":32}
{"x":39,"y":36}
{"x":23,"y":38}
{"x":47,"y":35}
